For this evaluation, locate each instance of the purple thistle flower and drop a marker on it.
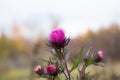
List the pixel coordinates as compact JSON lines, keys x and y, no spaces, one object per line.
{"x":57,"y":36}
{"x":58,"y":39}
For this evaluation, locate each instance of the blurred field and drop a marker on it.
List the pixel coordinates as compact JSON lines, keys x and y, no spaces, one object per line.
{"x":15,"y":74}
{"x":18,"y":56}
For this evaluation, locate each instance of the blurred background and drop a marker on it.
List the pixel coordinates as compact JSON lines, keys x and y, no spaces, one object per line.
{"x":25,"y":26}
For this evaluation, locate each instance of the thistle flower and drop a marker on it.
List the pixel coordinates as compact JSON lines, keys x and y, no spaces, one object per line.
{"x":38,"y":70}
{"x":58,"y":39}
{"x":57,"y":36}
{"x":51,"y":69}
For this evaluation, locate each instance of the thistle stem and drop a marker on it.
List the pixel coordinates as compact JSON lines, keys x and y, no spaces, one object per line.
{"x":64,"y":62}
{"x":67,"y":71}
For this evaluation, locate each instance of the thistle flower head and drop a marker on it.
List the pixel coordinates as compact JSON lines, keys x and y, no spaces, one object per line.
{"x":57,"y":36}
{"x":51,"y":69}
{"x":58,"y":39}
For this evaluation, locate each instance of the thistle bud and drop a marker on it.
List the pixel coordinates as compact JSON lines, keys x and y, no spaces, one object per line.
{"x":38,"y":70}
{"x":100,"y":56}
{"x":51,"y":69}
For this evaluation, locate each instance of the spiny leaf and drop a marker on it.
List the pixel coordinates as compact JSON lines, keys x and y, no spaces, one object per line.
{"x":78,"y":60}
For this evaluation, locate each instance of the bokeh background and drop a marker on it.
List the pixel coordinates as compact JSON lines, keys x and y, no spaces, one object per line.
{"x":25,"y":26}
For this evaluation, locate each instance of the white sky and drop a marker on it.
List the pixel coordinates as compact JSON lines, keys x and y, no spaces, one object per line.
{"x":75,"y":16}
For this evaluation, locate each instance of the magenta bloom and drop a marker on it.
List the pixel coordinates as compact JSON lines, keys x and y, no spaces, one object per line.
{"x":57,"y":36}
{"x":51,"y":69}
{"x":101,"y":54}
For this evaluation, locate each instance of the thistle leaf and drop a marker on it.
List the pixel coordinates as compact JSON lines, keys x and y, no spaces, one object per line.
{"x":90,"y":61}
{"x":78,"y":60}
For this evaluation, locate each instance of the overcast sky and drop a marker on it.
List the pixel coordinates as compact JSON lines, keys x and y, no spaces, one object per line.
{"x":75,"y":16}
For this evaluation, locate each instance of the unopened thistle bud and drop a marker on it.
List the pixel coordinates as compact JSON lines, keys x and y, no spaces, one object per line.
{"x":51,"y":69}
{"x":38,"y":70}
{"x":100,"y":56}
